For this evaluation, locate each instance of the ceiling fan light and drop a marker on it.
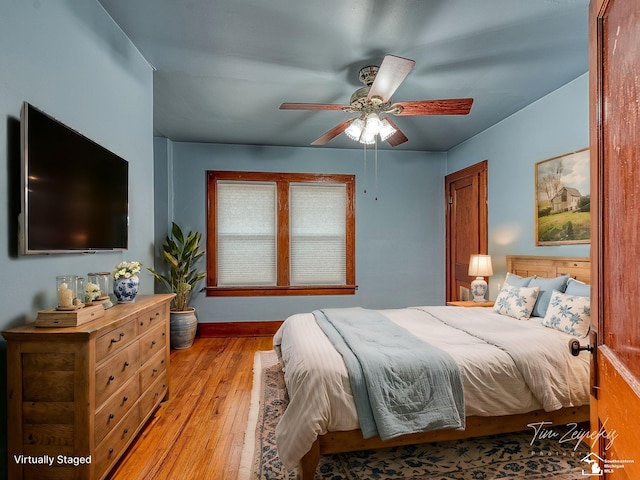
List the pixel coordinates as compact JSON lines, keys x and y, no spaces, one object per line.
{"x":372,"y":124}
{"x":386,"y":129}
{"x":367,"y":137}
{"x":354,"y":130}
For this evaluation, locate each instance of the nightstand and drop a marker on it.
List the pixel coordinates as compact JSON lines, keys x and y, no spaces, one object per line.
{"x":471,"y":303}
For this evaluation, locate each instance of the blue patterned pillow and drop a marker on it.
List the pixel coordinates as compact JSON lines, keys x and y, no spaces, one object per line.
{"x":569,"y":313}
{"x":516,"y":302}
{"x":547,"y":286}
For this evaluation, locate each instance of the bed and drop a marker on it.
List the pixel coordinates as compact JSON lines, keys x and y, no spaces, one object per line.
{"x":322,"y":417}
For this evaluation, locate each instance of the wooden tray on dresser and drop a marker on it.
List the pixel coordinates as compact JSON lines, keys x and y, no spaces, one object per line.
{"x":69,"y":318}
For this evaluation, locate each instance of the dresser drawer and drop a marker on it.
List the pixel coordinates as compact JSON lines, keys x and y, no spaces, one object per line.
{"x":115,"y":372}
{"x":153,"y":395}
{"x":115,"y":408}
{"x":113,"y":445}
{"x":151,"y":370}
{"x":116,"y":339}
{"x":149,"y":319}
{"x":152,"y":342}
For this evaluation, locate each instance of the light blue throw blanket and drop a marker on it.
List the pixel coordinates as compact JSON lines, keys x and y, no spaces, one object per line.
{"x":400,"y":384}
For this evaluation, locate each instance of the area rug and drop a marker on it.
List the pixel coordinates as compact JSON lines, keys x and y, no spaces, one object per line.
{"x":516,"y":455}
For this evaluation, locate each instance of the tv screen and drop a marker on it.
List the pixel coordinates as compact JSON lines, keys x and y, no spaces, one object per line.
{"x":75,"y":192}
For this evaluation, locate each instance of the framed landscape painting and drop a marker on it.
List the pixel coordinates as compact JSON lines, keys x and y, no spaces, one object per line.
{"x":563,"y":200}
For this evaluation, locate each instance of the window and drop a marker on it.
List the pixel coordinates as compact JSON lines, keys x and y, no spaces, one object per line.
{"x":280,"y":234}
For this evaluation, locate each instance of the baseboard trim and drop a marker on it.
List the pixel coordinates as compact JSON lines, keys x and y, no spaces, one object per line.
{"x":238,"y":329}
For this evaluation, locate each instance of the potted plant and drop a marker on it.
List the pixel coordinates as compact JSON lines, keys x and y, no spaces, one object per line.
{"x":181,"y":252}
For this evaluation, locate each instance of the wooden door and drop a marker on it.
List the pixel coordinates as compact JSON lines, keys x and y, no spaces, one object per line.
{"x":615,"y":170}
{"x":466,"y":221}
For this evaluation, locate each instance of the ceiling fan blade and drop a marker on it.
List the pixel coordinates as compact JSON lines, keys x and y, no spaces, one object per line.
{"x":398,"y":137}
{"x":334,"y":132}
{"x":311,"y":106}
{"x":393,"y":70}
{"x":454,"y":106}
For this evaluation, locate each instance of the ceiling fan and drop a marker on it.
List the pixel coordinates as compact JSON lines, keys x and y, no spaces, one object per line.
{"x":373,"y":103}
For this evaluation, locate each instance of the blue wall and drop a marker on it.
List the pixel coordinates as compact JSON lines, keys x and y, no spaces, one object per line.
{"x":554,"y":125}
{"x":69,"y":59}
{"x":399,"y":237}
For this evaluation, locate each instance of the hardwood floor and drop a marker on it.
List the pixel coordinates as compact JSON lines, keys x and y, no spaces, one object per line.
{"x":199,"y":432}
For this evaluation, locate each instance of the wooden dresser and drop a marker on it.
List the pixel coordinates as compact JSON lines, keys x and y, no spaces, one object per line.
{"x":77,"y":396}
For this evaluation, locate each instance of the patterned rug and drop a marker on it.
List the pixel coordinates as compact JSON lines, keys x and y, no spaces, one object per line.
{"x":486,"y":458}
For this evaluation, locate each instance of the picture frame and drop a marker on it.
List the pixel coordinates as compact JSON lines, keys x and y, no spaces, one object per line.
{"x":563,"y":199}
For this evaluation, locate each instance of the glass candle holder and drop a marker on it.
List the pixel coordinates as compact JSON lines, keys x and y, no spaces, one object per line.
{"x":80,"y":290}
{"x":66,"y":286}
{"x":103,"y":281}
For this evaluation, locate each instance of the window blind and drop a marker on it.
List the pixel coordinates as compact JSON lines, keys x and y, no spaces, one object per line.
{"x":246,"y":233}
{"x":317,"y":234}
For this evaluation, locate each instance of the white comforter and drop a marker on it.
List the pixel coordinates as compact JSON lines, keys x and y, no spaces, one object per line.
{"x":320,"y":397}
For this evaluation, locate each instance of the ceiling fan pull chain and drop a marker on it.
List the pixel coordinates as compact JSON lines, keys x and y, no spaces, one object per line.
{"x":375,"y":167}
{"x":365,"y":168}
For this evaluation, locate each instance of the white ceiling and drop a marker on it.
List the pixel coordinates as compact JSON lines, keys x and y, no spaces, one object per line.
{"x":223,"y":67}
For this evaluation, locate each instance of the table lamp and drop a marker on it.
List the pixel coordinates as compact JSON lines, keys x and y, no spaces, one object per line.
{"x":479,"y":267}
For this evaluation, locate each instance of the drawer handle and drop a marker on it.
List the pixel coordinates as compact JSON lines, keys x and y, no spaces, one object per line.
{"x":111,"y":378}
{"x":153,"y":342}
{"x":113,"y":340}
{"x":110,"y":451}
{"x":126,"y":364}
{"x":111,"y":416}
{"x":155,"y":370}
{"x":124,"y":399}
{"x":126,"y":430}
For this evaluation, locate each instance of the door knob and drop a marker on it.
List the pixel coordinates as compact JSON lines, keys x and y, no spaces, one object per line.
{"x":576,"y":348}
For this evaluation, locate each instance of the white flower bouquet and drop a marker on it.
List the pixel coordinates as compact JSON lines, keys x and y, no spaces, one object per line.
{"x":91,"y":292}
{"x":126,"y":270}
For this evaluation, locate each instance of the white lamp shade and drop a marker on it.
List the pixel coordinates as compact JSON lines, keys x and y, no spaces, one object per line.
{"x":354,"y":130}
{"x":386,"y":129}
{"x":480,"y":266}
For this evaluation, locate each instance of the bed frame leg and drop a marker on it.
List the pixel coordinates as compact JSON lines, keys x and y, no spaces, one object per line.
{"x":310,"y":461}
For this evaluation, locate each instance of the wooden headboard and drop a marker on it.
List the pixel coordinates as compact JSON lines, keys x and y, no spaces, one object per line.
{"x":549,"y":267}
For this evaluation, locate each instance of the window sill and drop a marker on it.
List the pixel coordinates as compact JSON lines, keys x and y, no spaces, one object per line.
{"x":281,"y":291}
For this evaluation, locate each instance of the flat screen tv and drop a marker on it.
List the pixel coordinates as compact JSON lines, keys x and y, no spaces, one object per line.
{"x":75,"y":192}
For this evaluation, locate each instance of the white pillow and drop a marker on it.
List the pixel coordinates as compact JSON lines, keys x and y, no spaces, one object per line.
{"x":568,"y":313}
{"x":516,"y":302}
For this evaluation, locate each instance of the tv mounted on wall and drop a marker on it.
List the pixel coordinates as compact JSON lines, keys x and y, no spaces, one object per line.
{"x":74,"y":192}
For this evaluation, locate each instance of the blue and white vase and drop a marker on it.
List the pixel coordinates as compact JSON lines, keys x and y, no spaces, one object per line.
{"x":126,"y":289}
